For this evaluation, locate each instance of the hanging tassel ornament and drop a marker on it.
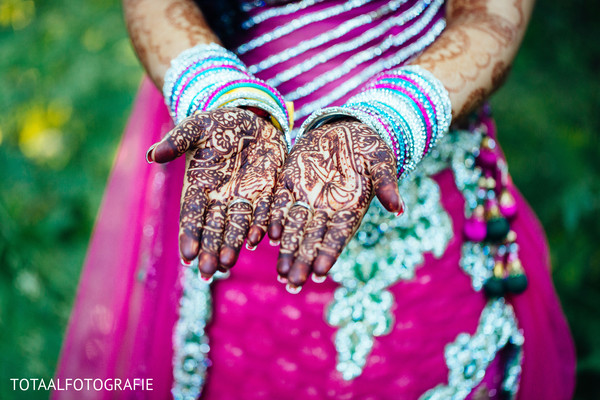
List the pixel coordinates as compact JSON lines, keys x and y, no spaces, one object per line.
{"x":497,"y":226}
{"x":508,"y":205}
{"x":490,"y":221}
{"x":494,"y":286}
{"x":487,"y":155}
{"x":475,"y":227}
{"x":516,"y":281}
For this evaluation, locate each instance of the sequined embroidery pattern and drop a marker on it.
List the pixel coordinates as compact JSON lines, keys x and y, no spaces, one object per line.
{"x":469,"y":356}
{"x":190,"y":342}
{"x":384,"y":251}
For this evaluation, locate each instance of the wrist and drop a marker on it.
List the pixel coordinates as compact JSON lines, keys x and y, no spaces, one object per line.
{"x":207,"y":77}
{"x":407,"y":107}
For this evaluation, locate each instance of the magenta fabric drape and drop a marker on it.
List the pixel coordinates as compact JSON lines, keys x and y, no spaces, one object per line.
{"x":126,"y":304}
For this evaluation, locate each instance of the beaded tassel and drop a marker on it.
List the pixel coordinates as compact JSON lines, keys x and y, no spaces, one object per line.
{"x":490,"y":222}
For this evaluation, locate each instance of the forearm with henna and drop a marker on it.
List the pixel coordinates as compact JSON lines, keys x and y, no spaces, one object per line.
{"x":474,"y":54}
{"x":161,"y":29}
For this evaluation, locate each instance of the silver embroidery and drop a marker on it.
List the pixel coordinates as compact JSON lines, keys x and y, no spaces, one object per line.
{"x":341,"y":48}
{"x":469,"y":356}
{"x":477,"y":263}
{"x":385,"y":251}
{"x":352,"y":83}
{"x":251,"y":5}
{"x":476,"y":259}
{"x":287,"y":9}
{"x":462,"y":161}
{"x":190,"y":341}
{"x":512,"y":374}
{"x":336,"y":33}
{"x":299,"y":23}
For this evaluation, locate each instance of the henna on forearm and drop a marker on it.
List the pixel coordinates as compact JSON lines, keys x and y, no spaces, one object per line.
{"x":161,"y":29}
{"x":473,"y":55}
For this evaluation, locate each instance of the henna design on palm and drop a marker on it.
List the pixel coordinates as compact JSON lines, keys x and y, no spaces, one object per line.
{"x":231,"y":154}
{"x":336,"y":169}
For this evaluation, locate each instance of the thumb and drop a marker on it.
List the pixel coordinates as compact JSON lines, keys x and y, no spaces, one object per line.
{"x":383,"y":174}
{"x":175,"y":143}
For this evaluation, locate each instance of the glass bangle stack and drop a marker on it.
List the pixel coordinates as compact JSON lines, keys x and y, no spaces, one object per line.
{"x":208,"y":76}
{"x":408,"y":107}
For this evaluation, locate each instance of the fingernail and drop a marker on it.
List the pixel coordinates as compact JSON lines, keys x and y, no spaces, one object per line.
{"x":281,"y":279}
{"x":402,"y":207}
{"x":148,"y":153}
{"x":226,"y":274}
{"x":318,"y":279}
{"x":186,"y":262}
{"x":250,"y":247}
{"x":274,"y":242}
{"x":206,"y":278}
{"x":293,"y":289}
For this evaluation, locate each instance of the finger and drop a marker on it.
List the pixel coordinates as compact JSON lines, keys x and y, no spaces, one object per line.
{"x":212,"y":237}
{"x":281,"y":205}
{"x":239,"y":216}
{"x":291,"y":237}
{"x":342,"y":226}
{"x":261,"y":218}
{"x":313,"y":236}
{"x":190,"y":222}
{"x":186,"y":134}
{"x":385,"y":183}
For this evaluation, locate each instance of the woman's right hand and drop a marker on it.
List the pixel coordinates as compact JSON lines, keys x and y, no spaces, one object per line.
{"x":233,"y":158}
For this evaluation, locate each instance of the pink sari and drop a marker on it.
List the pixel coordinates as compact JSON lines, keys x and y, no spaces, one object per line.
{"x":264,"y":342}
{"x":126,"y":305}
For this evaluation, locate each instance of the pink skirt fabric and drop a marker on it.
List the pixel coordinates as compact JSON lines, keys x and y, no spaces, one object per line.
{"x":266,"y":343}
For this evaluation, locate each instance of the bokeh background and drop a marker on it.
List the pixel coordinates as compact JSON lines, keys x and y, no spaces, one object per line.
{"x":68,"y":77}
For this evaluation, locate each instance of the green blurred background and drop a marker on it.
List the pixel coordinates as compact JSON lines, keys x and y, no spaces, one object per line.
{"x":68,"y":77}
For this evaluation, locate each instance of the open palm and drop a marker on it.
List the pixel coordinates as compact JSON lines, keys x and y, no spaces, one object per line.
{"x":232,"y":161}
{"x":325,"y":188}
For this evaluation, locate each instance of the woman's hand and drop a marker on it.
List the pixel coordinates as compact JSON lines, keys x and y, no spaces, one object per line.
{"x":325,"y":188}
{"x":232,"y":160}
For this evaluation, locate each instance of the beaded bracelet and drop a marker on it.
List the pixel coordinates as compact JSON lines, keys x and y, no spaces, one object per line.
{"x":208,"y":76}
{"x":408,"y":107}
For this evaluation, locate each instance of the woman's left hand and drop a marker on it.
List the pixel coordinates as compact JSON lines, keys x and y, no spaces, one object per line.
{"x":326,"y":186}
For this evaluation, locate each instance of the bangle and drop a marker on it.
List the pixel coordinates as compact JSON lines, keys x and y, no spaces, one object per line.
{"x":408,"y":107}
{"x":208,"y":76}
